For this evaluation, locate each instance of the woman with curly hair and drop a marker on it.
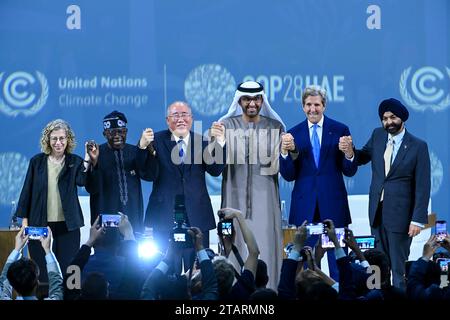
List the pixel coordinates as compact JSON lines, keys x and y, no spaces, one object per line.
{"x":49,"y":196}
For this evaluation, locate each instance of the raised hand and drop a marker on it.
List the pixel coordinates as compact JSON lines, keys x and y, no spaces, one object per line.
{"x":346,"y":146}
{"x":147,"y":137}
{"x":218,"y":131}
{"x":229,"y":213}
{"x":197,"y":238}
{"x":91,"y":152}
{"x":287,"y":143}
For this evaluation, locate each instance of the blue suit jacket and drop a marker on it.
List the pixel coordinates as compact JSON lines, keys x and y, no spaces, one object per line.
{"x":406,"y":187}
{"x":170,"y":179}
{"x":323,"y":185}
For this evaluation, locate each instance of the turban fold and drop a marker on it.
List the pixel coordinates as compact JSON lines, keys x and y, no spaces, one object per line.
{"x":394,"y":106}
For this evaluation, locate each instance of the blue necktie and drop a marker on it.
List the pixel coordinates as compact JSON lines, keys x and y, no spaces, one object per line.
{"x":181,"y":149}
{"x":315,"y":145}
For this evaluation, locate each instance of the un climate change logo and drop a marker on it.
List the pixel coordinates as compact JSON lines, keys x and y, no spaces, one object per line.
{"x":209,"y":89}
{"x":21,"y":92}
{"x":426,"y":85}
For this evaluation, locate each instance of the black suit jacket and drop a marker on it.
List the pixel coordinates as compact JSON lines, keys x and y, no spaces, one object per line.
{"x":406,"y":187}
{"x":33,"y":198}
{"x":170,"y":179}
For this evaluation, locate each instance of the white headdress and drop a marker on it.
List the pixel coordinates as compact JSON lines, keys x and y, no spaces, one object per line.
{"x":251,"y":88}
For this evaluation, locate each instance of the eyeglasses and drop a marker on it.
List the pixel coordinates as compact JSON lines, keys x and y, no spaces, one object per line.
{"x":55,"y":139}
{"x":248,"y":99}
{"x":177,"y":115}
{"x":113,"y":132}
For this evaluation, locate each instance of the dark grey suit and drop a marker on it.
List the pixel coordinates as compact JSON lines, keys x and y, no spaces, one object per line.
{"x":406,"y":195}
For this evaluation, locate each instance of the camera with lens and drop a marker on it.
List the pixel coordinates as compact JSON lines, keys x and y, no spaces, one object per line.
{"x":180,"y":235}
{"x":225,"y":226}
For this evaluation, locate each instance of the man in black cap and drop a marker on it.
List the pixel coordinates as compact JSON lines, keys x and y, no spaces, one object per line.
{"x":115,"y":185}
{"x":400,"y":188}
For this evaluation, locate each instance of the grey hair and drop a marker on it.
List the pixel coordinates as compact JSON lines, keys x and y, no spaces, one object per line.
{"x":314,"y":91}
{"x":224,"y":273}
{"x":177,"y":102}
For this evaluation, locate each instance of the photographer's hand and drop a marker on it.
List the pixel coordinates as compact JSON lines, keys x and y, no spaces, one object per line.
{"x":446,"y":243}
{"x":21,"y":239}
{"x":352,"y":244}
{"x":125,"y":227}
{"x":95,"y":232}
{"x":319,"y":251}
{"x":430,"y":247}
{"x":230,"y":213}
{"x":331,"y":232}
{"x":197,"y":237}
{"x":300,"y":237}
{"x":46,"y":242}
{"x":310,"y":258}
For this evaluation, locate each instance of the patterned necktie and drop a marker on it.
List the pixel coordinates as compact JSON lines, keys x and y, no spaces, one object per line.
{"x":181,"y":152}
{"x":315,"y":145}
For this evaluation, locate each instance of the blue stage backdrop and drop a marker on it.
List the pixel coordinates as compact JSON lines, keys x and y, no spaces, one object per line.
{"x":79,"y":60}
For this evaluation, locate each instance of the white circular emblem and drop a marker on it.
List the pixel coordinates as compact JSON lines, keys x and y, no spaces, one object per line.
{"x":209,"y":89}
{"x":22,"y":94}
{"x":427,"y":88}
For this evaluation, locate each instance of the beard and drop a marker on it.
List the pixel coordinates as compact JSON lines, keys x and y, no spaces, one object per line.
{"x":394,"y":128}
{"x":251,"y":114}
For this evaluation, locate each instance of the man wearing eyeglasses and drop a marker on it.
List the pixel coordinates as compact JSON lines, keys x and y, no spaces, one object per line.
{"x":178,"y":160}
{"x":115,"y":183}
{"x":250,"y":179}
